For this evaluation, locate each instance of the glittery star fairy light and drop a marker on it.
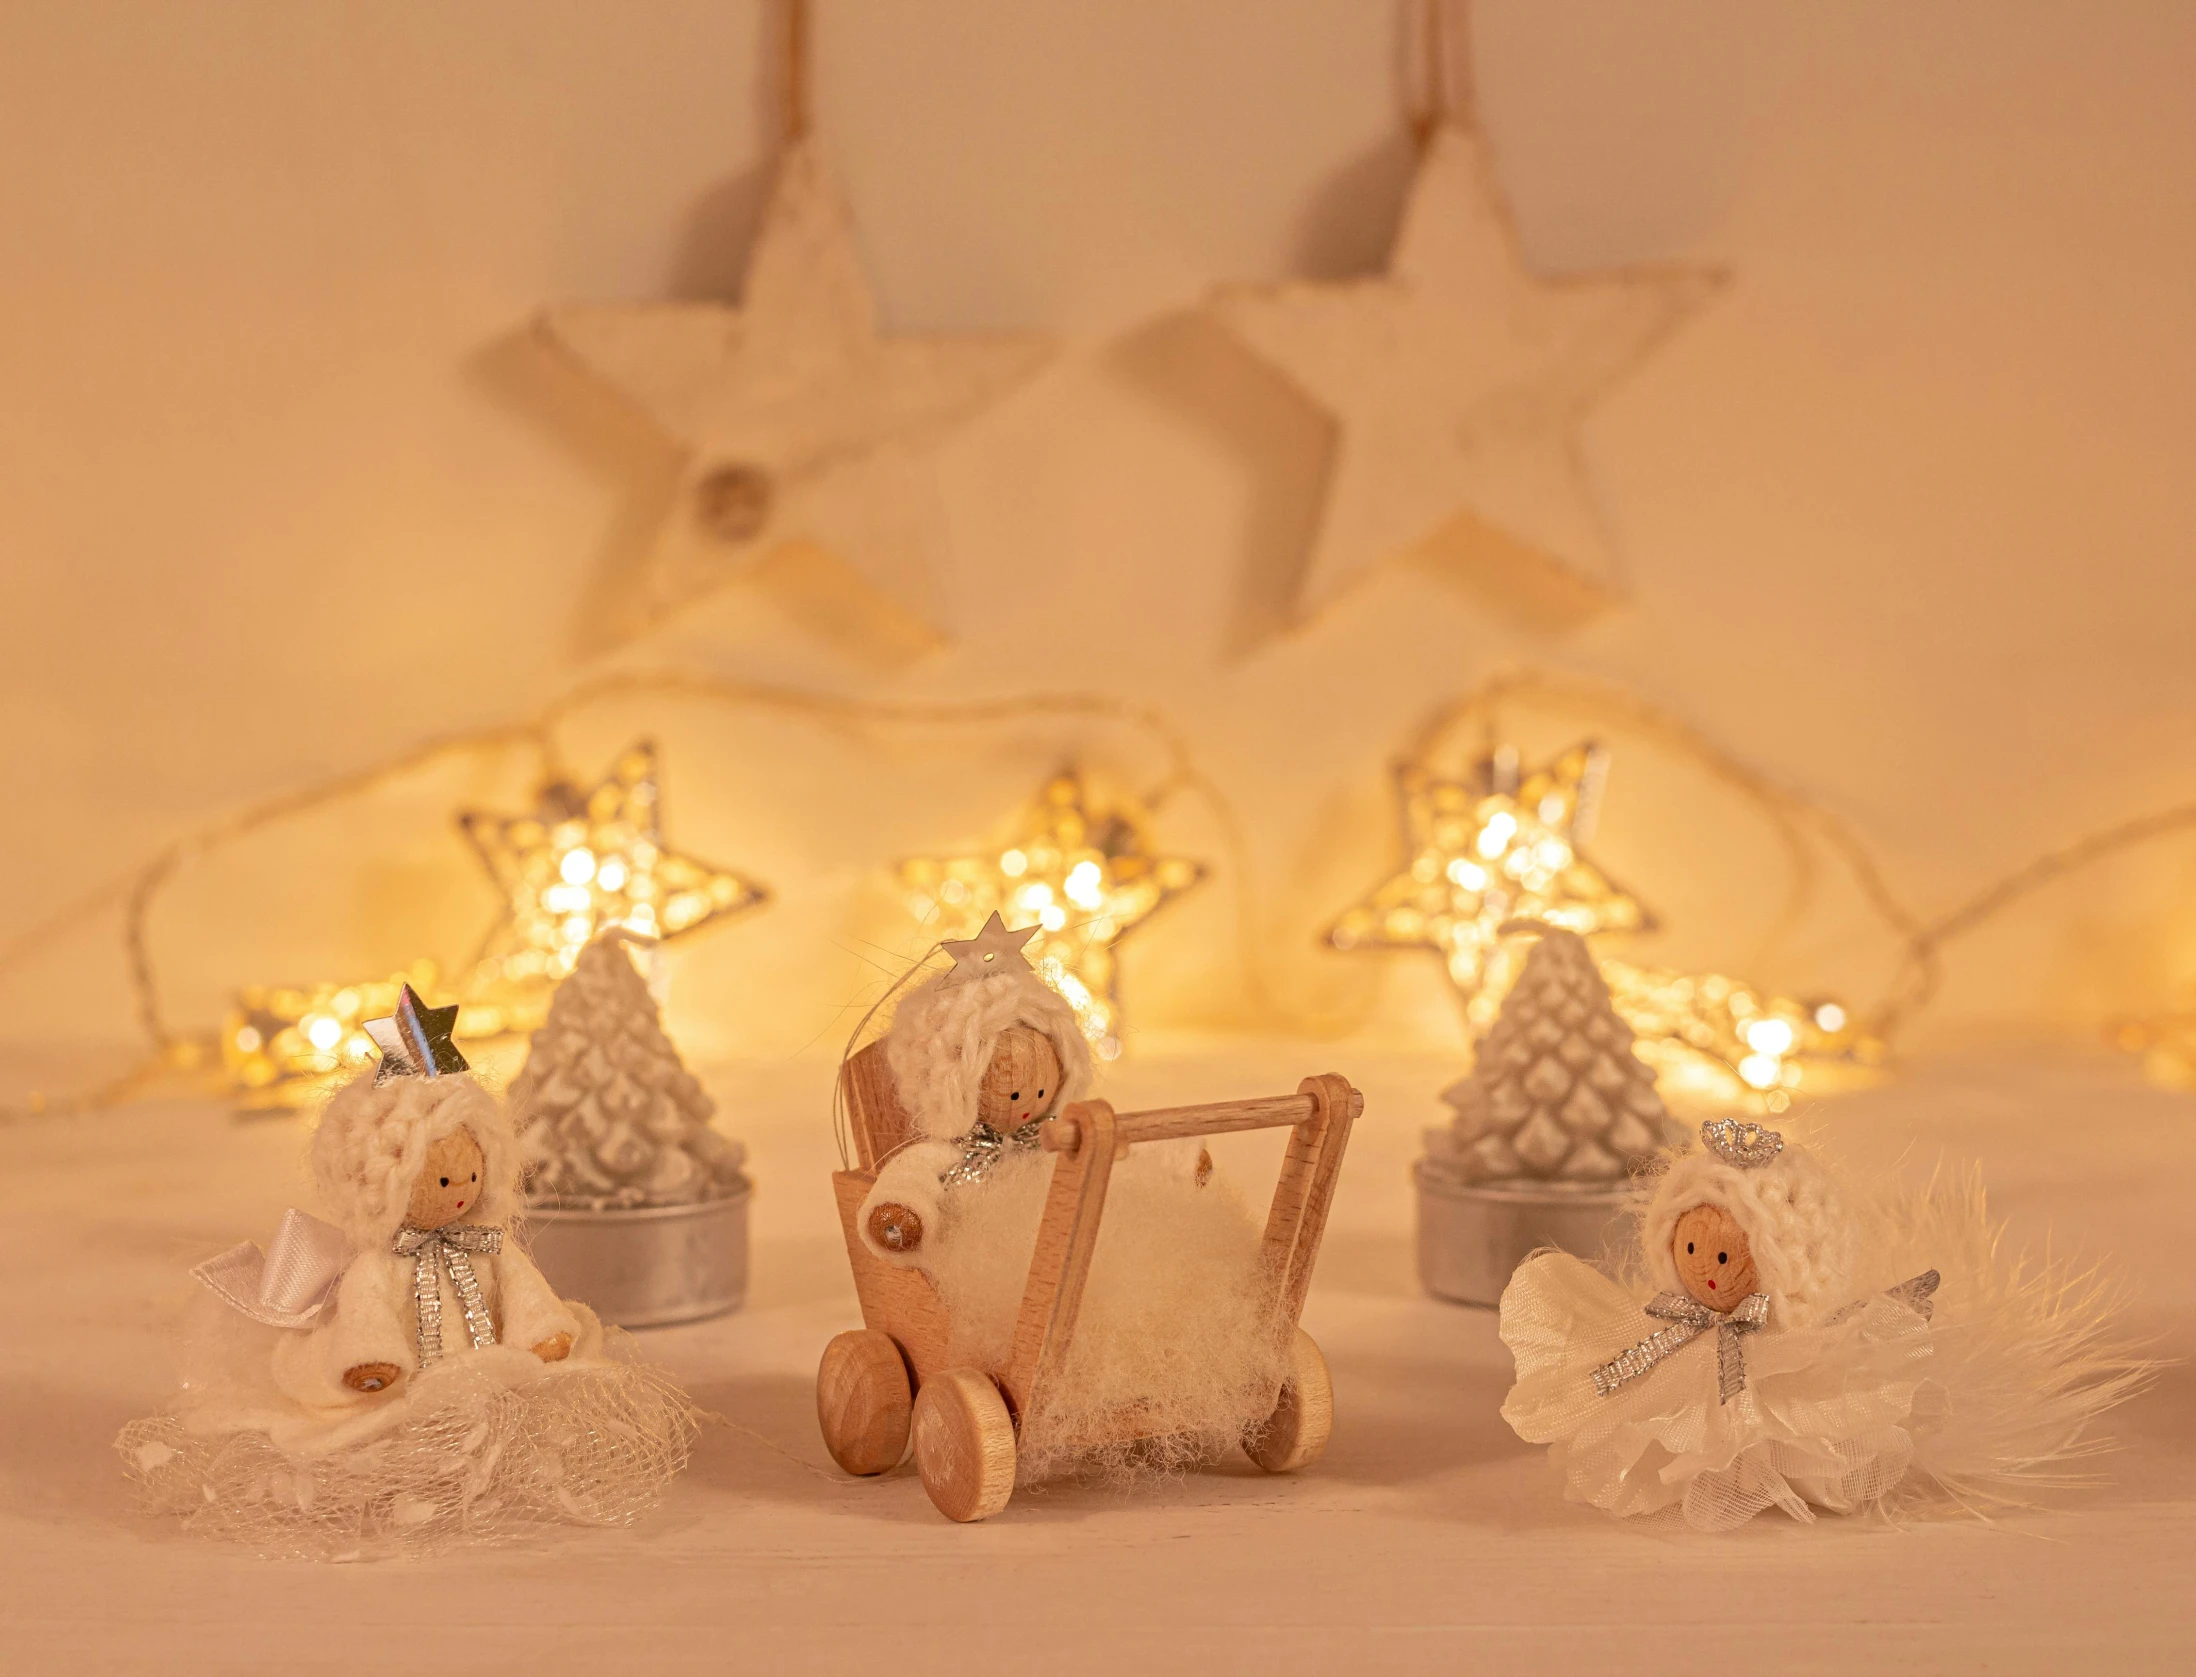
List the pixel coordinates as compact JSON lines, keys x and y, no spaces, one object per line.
{"x":580,"y":862}
{"x":1727,"y":1040}
{"x":1083,"y":880}
{"x":1500,"y":845}
{"x":1504,"y":845}
{"x":2165,"y":1041}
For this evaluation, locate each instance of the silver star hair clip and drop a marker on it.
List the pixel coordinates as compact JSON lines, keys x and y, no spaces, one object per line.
{"x":415,"y":1040}
{"x":1746,"y":1145}
{"x":984,"y":953}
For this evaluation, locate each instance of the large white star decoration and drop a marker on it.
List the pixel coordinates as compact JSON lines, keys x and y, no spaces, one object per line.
{"x":801,"y":423}
{"x":1457,"y":382}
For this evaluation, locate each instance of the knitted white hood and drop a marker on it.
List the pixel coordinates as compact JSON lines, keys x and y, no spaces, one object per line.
{"x":1795,"y":1221}
{"x":943,"y":1034}
{"x":372,"y":1144}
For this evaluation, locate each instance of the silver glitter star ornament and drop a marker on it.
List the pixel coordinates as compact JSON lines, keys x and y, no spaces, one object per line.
{"x":982,"y":954}
{"x":415,"y":1040}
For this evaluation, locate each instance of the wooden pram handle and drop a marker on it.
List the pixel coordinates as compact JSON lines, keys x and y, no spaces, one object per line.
{"x":1272,"y":1112}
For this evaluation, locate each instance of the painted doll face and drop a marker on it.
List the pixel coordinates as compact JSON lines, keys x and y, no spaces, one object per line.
{"x":449,"y":1183}
{"x":1713,"y":1259}
{"x":1022,"y":1081}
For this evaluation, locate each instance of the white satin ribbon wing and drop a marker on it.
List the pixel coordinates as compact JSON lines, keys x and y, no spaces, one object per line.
{"x":289,"y":1285}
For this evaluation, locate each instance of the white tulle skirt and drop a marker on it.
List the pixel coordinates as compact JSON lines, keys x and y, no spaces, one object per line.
{"x":484,"y":1446}
{"x":1826,"y":1420}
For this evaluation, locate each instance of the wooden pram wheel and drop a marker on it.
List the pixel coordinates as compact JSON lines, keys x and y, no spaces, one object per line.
{"x":864,"y":1401}
{"x":964,"y":1444}
{"x":1296,"y":1431}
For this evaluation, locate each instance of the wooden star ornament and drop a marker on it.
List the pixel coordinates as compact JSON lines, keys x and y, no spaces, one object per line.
{"x":1502,"y":845}
{"x":802,"y":425}
{"x":1457,"y":382}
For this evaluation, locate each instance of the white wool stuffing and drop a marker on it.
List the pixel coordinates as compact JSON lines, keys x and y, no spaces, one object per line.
{"x":1177,"y":1324}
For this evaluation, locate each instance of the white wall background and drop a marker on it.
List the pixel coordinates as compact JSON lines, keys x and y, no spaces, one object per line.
{"x":285,"y":485}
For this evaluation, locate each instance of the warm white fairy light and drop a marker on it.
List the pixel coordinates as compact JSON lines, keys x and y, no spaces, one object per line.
{"x":1499,"y":845}
{"x":1720,"y":1038}
{"x":1083,"y":880}
{"x":580,"y":863}
{"x":1504,"y":845}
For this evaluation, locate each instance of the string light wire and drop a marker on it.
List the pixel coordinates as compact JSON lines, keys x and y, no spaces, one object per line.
{"x":1796,"y":817}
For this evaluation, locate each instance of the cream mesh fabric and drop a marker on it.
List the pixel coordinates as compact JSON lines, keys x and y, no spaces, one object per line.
{"x":474,"y":1459}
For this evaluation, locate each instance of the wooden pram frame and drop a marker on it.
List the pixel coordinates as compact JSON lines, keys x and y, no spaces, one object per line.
{"x":890,"y":1380}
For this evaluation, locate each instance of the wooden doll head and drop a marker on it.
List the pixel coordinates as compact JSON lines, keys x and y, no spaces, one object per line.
{"x":949,"y":1032}
{"x":1773,"y":1211}
{"x":449,"y":1183}
{"x":1022,"y":1080}
{"x":370,"y":1153}
{"x":1715,"y":1264}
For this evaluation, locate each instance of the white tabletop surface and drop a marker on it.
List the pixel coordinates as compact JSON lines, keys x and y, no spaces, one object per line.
{"x":1427,"y":1538}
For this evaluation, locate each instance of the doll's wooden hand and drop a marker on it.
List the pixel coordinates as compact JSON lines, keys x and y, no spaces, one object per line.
{"x":895,"y":1227}
{"x":555,"y":1348}
{"x":372,"y":1377}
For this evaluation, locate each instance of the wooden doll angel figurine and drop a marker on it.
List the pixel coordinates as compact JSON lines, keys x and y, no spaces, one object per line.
{"x":980,"y":1055}
{"x":387,"y":1374}
{"x":423,"y":1168}
{"x":1175,"y":1318}
{"x":1776,"y":1368}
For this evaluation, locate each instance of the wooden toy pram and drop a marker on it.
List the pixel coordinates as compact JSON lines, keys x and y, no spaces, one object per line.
{"x":888,"y":1380}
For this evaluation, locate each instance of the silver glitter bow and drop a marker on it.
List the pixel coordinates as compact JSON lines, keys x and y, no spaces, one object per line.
{"x":437,"y":1251}
{"x":1689,"y":1319}
{"x":983,"y":1147}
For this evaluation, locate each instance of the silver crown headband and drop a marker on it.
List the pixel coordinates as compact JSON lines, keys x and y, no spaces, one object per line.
{"x":1746,"y":1145}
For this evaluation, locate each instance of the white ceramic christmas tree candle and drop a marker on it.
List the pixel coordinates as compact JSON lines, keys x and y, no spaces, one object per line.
{"x":1553,"y":1119}
{"x":609,"y":1117}
{"x":1555,"y":1092}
